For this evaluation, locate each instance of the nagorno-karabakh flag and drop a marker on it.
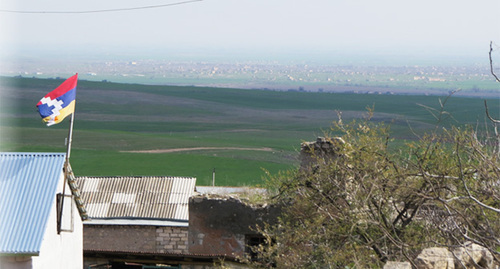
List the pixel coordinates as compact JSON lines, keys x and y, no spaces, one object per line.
{"x":59,"y":103}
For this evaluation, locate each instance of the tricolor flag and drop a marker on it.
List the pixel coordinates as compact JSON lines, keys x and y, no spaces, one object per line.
{"x":59,"y":103}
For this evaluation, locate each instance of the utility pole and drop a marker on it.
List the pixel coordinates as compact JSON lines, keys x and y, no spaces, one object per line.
{"x":213,"y":178}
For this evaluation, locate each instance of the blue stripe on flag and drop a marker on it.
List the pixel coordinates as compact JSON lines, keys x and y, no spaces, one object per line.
{"x":46,"y":109}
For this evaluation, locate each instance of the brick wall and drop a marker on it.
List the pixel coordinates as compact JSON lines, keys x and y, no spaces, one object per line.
{"x":172,"y":239}
{"x":135,"y":238}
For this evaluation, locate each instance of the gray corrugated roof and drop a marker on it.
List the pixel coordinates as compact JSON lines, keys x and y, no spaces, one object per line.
{"x":137,"y":197}
{"x":28,"y":185}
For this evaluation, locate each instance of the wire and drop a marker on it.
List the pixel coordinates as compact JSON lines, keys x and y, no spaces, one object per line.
{"x":99,"y":10}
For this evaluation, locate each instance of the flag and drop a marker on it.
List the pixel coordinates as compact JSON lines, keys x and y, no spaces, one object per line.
{"x":59,"y":103}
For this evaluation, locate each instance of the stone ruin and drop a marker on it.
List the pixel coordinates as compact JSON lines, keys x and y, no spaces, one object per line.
{"x":322,"y":151}
{"x":468,"y":256}
{"x":226,"y":225}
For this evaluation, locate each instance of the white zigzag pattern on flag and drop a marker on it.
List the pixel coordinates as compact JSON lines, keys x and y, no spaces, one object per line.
{"x":57,"y":106}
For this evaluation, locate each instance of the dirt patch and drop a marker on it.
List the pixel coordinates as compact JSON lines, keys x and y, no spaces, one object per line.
{"x":196,"y":148}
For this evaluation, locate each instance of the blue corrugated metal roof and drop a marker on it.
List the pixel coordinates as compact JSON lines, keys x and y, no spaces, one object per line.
{"x":28,"y":185}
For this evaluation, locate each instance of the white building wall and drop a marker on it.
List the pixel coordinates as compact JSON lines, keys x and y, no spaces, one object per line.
{"x":64,"y":250}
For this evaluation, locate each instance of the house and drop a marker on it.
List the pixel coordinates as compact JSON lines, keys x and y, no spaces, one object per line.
{"x":41,"y":212}
{"x":139,"y":222}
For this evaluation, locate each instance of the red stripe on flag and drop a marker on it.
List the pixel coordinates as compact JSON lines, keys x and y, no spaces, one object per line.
{"x":68,"y":85}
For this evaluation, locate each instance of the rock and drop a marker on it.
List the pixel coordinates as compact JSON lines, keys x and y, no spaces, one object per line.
{"x":471,"y":255}
{"x":397,"y":265}
{"x":435,"y":258}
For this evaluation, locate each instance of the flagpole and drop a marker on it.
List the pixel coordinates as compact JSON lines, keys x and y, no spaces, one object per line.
{"x":51,"y":109}
{"x":68,"y":149}
{"x":66,"y":172}
{"x":70,"y":137}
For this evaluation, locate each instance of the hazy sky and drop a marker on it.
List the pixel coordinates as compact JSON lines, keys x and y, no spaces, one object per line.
{"x":461,"y":26}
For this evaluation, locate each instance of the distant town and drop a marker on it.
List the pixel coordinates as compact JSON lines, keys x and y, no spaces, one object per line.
{"x":428,"y":79}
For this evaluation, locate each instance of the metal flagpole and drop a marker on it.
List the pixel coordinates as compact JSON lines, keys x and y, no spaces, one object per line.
{"x":70,"y":136}
{"x":66,"y":172}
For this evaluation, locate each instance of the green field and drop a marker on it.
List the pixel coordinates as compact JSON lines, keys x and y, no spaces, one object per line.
{"x":113,"y":119}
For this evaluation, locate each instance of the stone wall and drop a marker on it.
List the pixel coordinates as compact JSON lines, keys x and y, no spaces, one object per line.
{"x":135,"y":238}
{"x":172,"y":239}
{"x":467,"y":256}
{"x":321,"y":150}
{"x":222,"y":225}
{"x":119,"y":237}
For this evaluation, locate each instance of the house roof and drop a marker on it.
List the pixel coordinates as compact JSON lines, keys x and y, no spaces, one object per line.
{"x":164,"y":198}
{"x":28,"y":184}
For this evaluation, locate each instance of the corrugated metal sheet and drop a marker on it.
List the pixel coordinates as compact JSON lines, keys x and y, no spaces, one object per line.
{"x":71,"y":180}
{"x":137,"y":197}
{"x":28,"y":185}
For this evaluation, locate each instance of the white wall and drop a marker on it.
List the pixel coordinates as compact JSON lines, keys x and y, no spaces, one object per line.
{"x":64,"y":250}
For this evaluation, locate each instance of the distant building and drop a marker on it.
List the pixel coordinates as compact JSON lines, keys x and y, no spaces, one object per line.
{"x":437,"y":79}
{"x":35,"y":231}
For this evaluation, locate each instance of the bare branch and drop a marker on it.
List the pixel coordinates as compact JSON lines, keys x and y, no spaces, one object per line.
{"x":483,"y":204}
{"x":491,"y":62}
{"x":476,"y":200}
{"x":488,"y":114}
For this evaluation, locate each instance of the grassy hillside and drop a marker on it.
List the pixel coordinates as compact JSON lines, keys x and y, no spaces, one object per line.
{"x":113,"y":119}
